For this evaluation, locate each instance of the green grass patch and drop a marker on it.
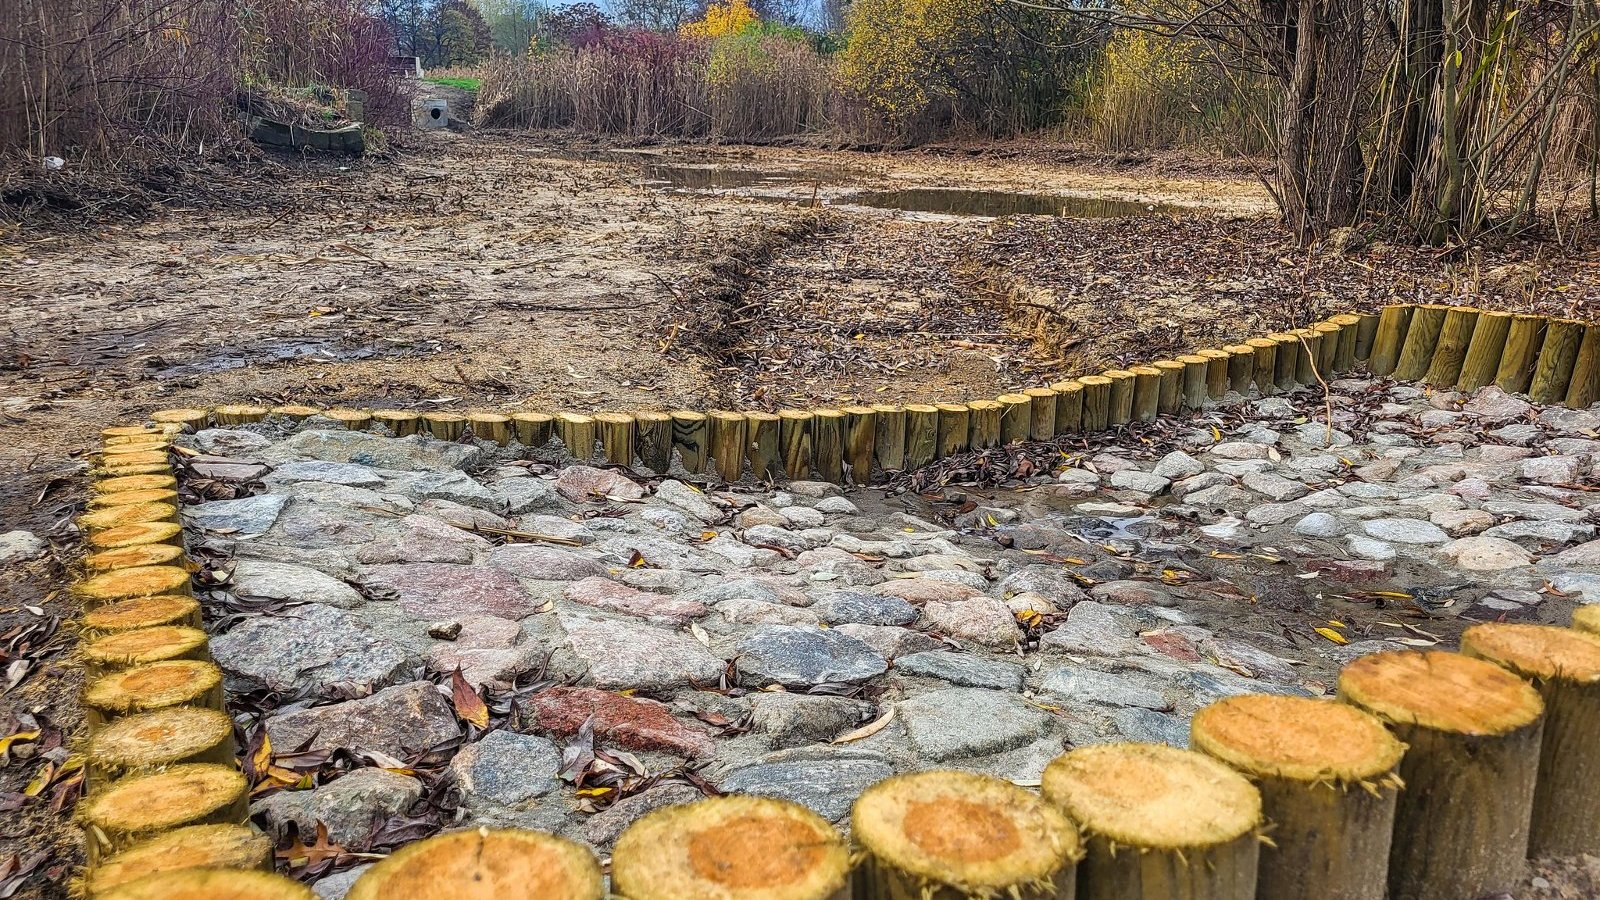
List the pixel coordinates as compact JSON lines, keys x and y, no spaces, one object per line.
{"x":465,"y":84}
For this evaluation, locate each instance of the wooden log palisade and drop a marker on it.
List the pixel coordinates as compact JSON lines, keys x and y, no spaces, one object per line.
{"x":1477,"y":759}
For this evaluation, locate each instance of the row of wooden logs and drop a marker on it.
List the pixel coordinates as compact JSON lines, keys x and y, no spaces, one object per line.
{"x":1552,"y":360}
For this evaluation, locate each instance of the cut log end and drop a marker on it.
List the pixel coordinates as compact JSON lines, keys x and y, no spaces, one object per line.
{"x":1152,"y":796}
{"x":1587,"y":619}
{"x":142,"y":646}
{"x":136,"y":534}
{"x":133,"y":557}
{"x":1536,"y":651}
{"x":142,"y":612}
{"x":211,"y":884}
{"x":977,"y":835}
{"x":128,"y":514}
{"x":148,"y":482}
{"x":141,"y":805}
{"x":162,"y":685}
{"x":1296,"y":738}
{"x":156,"y":740}
{"x":223,"y":846}
{"x":484,"y":864}
{"x":133,"y":498}
{"x":731,"y":846}
{"x":1442,"y":691}
{"x":139,"y":581}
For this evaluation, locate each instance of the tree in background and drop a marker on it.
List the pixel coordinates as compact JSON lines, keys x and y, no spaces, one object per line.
{"x":576,"y":25}
{"x":513,"y":24}
{"x":440,"y":32}
{"x":721,"y":18}
{"x":656,"y":15}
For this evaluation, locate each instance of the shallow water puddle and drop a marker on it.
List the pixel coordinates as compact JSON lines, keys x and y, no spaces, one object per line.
{"x":961,"y":202}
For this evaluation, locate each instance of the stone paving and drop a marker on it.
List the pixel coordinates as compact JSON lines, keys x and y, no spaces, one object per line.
{"x":804,"y":643}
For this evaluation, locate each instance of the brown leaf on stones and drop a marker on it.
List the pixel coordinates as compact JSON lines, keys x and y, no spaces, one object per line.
{"x":469,"y":706}
{"x":315,"y":859}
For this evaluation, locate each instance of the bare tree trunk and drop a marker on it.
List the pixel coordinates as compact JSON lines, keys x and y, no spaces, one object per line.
{"x":1319,"y":155}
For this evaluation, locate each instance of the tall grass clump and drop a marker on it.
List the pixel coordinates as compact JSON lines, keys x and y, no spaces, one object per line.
{"x":107,"y":80}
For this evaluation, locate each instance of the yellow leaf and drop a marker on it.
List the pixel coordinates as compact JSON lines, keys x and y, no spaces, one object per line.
{"x":262,"y":761}
{"x":19,"y":737}
{"x":1332,"y":635}
{"x":595,"y":791}
{"x":867,"y":730}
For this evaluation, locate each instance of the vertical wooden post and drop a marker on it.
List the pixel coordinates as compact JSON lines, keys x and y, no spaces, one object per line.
{"x":795,"y":433}
{"x":1344,"y":356}
{"x":577,"y":433}
{"x":983,"y":424}
{"x":764,"y":444}
{"x":1096,"y":403}
{"x":1241,"y":367}
{"x":1146,"y":393}
{"x":1171,"y":385}
{"x":1265,"y":352}
{"x":533,"y":428}
{"x":1069,"y":406}
{"x":1585,"y":387}
{"x":1523,"y":341}
{"x":689,"y":439}
{"x":1393,"y":324}
{"x":860,"y":440}
{"x":922,"y":434}
{"x":1217,"y":363}
{"x":1042,"y":421}
{"x":954,"y":422}
{"x":237,"y":414}
{"x":616,"y":437}
{"x":726,"y":433}
{"x":1329,"y":349}
{"x":1421,"y":341}
{"x":1366,"y":335}
{"x":827,"y":442}
{"x":653,"y":440}
{"x":1287,"y":361}
{"x":1120,"y":411}
{"x":404,"y":423}
{"x":1305,"y":368}
{"x":1483,"y":354}
{"x":488,"y":426}
{"x":296,"y":412}
{"x":1195,"y":390}
{"x":889,"y":444}
{"x":1553,"y":375}
{"x":361,"y":419}
{"x":192,"y":419}
{"x":1454,"y":338}
{"x":445,"y":426}
{"x":1016,"y":417}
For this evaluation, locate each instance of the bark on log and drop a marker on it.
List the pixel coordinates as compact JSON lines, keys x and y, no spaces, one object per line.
{"x":484,"y":864}
{"x":1523,"y":343}
{"x":731,"y":846}
{"x":1016,"y":417}
{"x":1422,"y":339}
{"x":1553,"y":375}
{"x":400,"y":422}
{"x":652,"y":440}
{"x":1393,"y":325}
{"x":691,"y":440}
{"x":1585,"y":387}
{"x":1564,"y":665}
{"x":922,"y":434}
{"x":1327,"y":773}
{"x":1241,"y":367}
{"x":1069,"y":406}
{"x":1366,"y":336}
{"x":947,"y":835}
{"x":617,"y":436}
{"x":954,"y":429}
{"x":726,"y":436}
{"x":1096,"y":403}
{"x":1194,"y":392}
{"x":827,"y":443}
{"x":983,"y":424}
{"x":534,"y":428}
{"x":764,"y":433}
{"x":237,"y":414}
{"x":860,"y":441}
{"x":795,"y":432}
{"x":1217,"y":362}
{"x":1471,"y":730}
{"x":447,"y":426}
{"x":1305,"y":368}
{"x":1265,"y":352}
{"x":577,"y":433}
{"x":1120,"y":409}
{"x":191,"y":884}
{"x":1161,"y":823}
{"x":1171,"y":386}
{"x":1287,"y":361}
{"x":1482,"y":361}
{"x":1146,"y":393}
{"x":490,"y":427}
{"x":1455,"y":336}
{"x":1344,"y":356}
{"x":1328,"y":351}
{"x":1042,"y":421}
{"x":889,"y":445}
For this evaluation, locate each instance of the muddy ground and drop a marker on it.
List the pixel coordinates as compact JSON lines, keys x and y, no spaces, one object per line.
{"x":496,"y":270}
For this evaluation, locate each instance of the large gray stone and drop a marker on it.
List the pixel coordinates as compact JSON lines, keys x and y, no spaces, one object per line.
{"x":794,"y":720}
{"x":425,"y":539}
{"x":1054,"y":582}
{"x":352,"y":806}
{"x":309,"y":648}
{"x":960,"y":722}
{"x":236,"y":519}
{"x":544,"y":563}
{"x":504,"y":768}
{"x":625,"y":655}
{"x":401,"y":721}
{"x":1151,"y":727}
{"x":828,"y":787}
{"x":18,"y":546}
{"x":350,"y":474}
{"x":527,"y":495}
{"x":456,"y":487}
{"x":861,"y":608}
{"x":1089,"y":686}
{"x":964,"y":669}
{"x":1486,"y":554}
{"x":604,"y":827}
{"x":981,"y":620}
{"x":691,"y":500}
{"x":1405,"y":531}
{"x":439,"y":590}
{"x":800,"y":656}
{"x":888,"y":641}
{"x":260,"y":580}
{"x":414,"y":453}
